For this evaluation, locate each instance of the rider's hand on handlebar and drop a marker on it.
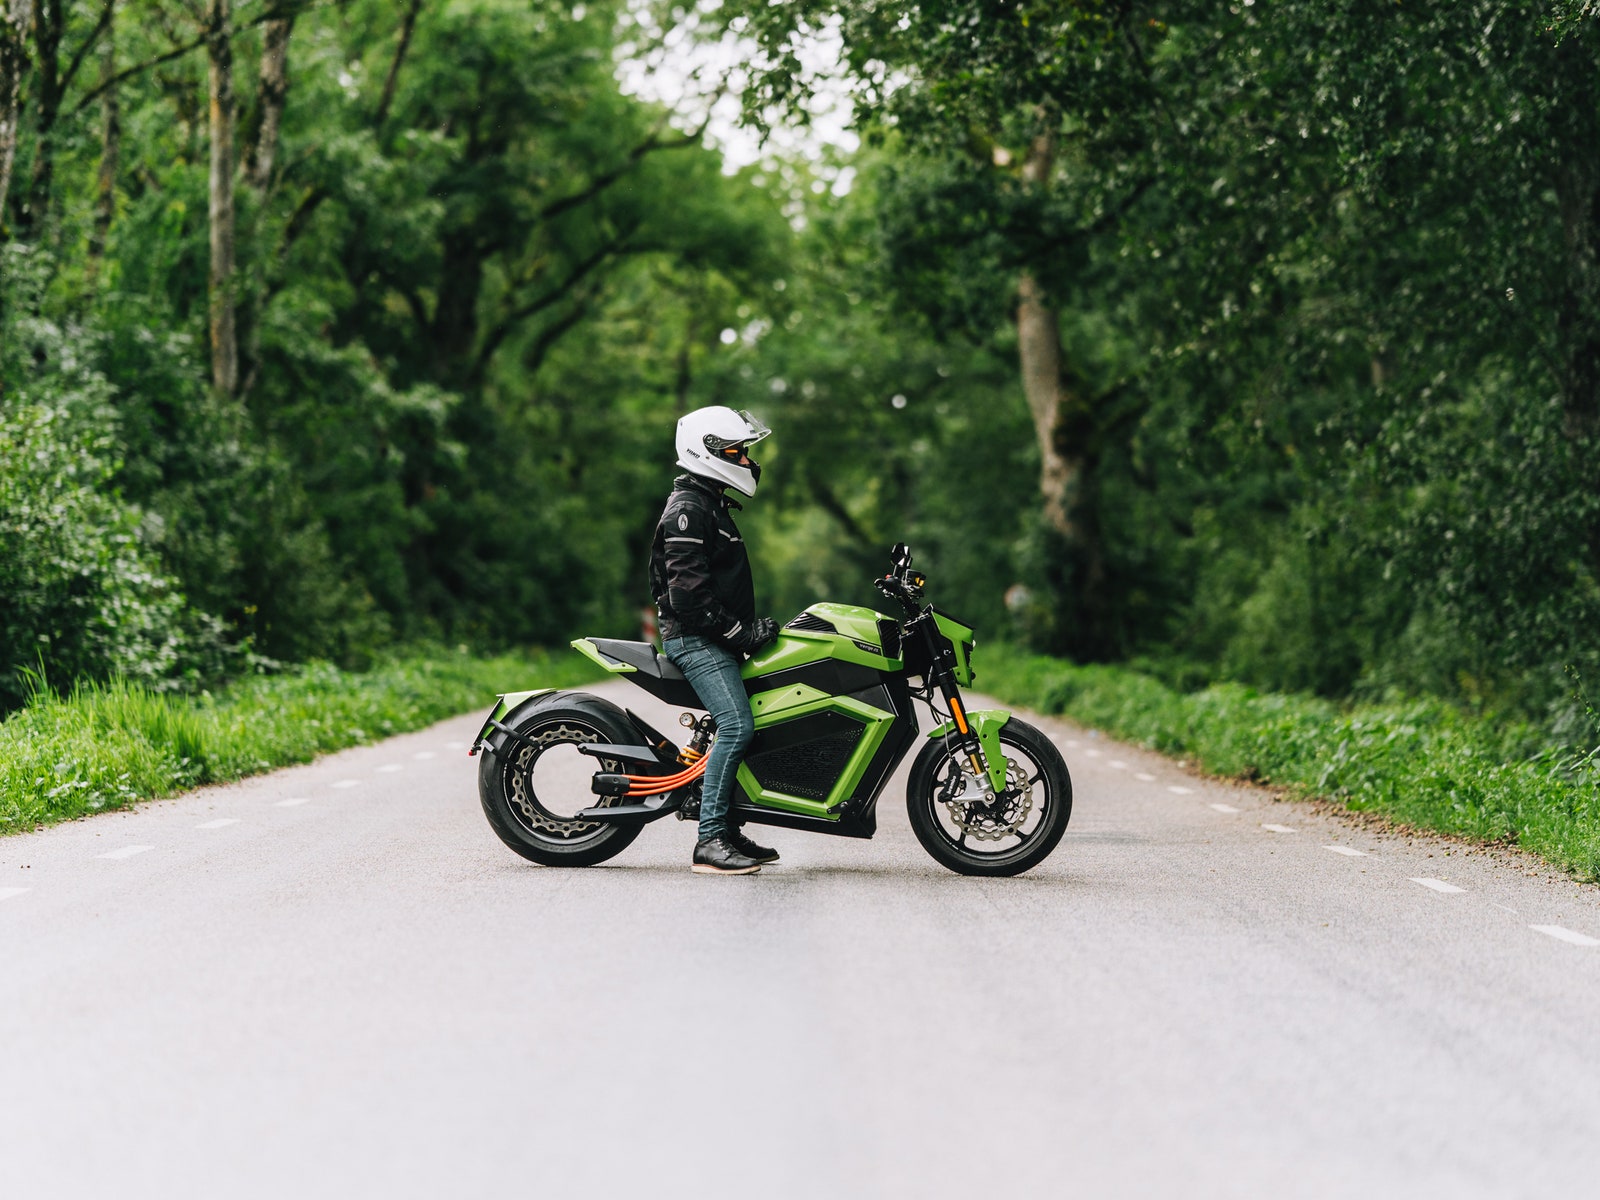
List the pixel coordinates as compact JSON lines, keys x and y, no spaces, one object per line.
{"x":753,"y":636}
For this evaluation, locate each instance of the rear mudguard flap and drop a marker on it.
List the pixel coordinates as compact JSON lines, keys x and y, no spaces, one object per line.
{"x":494,"y":733}
{"x":986,"y":723}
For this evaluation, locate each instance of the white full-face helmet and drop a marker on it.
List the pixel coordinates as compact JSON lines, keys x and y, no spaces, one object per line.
{"x":714,"y":443}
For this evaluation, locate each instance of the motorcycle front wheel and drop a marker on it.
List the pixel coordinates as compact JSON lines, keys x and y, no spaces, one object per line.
{"x":965,"y":830}
{"x":533,"y":786}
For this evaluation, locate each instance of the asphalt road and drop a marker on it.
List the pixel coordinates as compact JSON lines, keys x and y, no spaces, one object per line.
{"x":334,"y":981}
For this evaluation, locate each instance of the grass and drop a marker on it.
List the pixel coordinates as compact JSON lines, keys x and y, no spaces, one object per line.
{"x":110,"y":745}
{"x":1422,"y":764}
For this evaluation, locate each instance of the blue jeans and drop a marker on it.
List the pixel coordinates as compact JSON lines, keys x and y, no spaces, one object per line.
{"x":714,"y":674}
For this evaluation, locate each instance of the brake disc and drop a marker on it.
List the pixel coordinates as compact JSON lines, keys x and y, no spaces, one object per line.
{"x":535,"y":816}
{"x":987,"y":820}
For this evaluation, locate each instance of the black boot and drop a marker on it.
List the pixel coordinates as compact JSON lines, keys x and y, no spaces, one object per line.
{"x":719,"y":856}
{"x":749,"y":849}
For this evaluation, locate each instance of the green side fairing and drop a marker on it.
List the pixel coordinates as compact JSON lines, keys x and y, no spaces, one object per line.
{"x":800,"y":647}
{"x":789,"y":703}
{"x":850,"y":620}
{"x":987,"y":723}
{"x":961,"y":637}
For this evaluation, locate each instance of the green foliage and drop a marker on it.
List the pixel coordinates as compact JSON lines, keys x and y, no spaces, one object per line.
{"x":82,"y":594}
{"x":1423,"y":763}
{"x":108,"y":745}
{"x":1326,"y":277}
{"x":1339,"y":403}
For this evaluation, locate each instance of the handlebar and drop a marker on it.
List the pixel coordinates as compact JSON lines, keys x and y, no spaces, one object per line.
{"x":908,"y":593}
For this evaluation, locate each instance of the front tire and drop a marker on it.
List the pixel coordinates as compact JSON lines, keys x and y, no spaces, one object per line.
{"x":531,"y":788}
{"x":1007,"y":836}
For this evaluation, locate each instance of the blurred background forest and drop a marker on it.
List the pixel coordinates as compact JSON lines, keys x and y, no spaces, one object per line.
{"x":1255,"y":341}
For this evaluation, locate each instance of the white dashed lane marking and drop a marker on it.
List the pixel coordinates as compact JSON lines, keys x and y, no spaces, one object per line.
{"x":345,"y":783}
{"x":1118,"y":764}
{"x":11,"y":893}
{"x":1227,"y":808}
{"x":125,"y":852}
{"x":219,"y":823}
{"x":1143,"y":776}
{"x":1092,"y":753}
{"x":1566,"y":935}
{"x":455,"y":745}
{"x":294,"y":803}
{"x":1347,"y":851}
{"x":1438,"y":885}
{"x":1179,"y":791}
{"x":390,"y":768}
{"x":1278,"y":829}
{"x":424,"y":754}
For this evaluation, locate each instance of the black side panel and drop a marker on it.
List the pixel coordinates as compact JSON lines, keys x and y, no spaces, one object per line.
{"x":863,"y":825}
{"x":830,"y":675}
{"x":675,"y":692}
{"x":804,"y":757}
{"x":655,"y":673}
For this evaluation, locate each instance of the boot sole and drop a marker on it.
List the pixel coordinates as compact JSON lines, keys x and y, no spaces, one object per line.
{"x":708,"y":869}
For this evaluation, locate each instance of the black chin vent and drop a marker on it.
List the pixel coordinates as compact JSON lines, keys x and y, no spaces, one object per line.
{"x":889,"y":635}
{"x":806,"y":623}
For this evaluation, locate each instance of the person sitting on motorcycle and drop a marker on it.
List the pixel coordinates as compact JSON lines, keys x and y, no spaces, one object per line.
{"x":705,"y":597}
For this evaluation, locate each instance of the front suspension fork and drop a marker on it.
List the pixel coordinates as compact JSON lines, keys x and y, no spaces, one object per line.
{"x":967,"y":739}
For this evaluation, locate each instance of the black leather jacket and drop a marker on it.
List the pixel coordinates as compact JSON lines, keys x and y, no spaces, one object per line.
{"x":699,"y":570}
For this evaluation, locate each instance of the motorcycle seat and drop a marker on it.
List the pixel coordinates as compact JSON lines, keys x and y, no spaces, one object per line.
{"x":652,"y":671}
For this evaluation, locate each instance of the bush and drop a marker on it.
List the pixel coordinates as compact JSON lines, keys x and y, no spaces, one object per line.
{"x":84,"y":596}
{"x":1423,"y":763}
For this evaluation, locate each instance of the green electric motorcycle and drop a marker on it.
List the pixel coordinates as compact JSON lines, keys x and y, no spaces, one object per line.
{"x":832,"y":701}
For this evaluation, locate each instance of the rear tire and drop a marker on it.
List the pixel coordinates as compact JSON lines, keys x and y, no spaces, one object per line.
{"x":533,"y":815}
{"x":1006,"y":838}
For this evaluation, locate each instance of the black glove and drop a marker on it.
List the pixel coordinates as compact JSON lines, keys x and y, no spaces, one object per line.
{"x":750,"y":636}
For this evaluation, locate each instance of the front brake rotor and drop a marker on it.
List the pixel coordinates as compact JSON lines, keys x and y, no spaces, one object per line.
{"x":987,"y":820}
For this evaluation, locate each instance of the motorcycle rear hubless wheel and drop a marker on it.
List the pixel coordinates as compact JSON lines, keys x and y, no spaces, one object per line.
{"x":540,"y":826}
{"x":1004,"y":837}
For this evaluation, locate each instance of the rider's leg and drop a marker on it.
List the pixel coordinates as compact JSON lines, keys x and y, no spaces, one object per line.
{"x":713,"y":672}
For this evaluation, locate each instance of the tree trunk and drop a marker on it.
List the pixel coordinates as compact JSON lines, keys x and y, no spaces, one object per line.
{"x":47,"y":26}
{"x":224,"y":341}
{"x":274,"y":90}
{"x":14,"y":20}
{"x":1039,"y":349}
{"x":1065,"y":431}
{"x":105,"y":190}
{"x":1039,"y":352}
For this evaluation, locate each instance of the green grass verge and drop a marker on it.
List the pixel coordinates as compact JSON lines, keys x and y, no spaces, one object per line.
{"x":1423,"y":764}
{"x":108,"y":746}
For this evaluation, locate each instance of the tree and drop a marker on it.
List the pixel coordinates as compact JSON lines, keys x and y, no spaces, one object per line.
{"x":219,"y":57}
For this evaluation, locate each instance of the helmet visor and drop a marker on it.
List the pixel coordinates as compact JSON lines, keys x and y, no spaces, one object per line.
{"x":757,"y":429}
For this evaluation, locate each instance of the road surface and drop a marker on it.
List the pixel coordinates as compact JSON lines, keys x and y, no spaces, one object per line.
{"x":333,"y":981}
